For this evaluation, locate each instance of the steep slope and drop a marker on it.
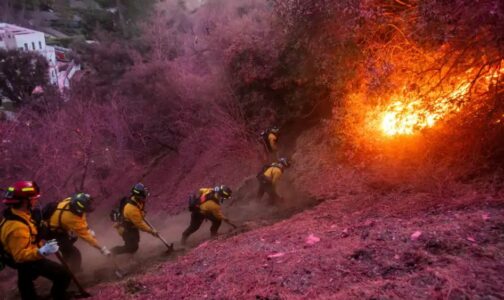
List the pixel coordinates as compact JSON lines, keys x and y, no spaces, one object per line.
{"x":332,"y":251}
{"x":369,"y":238}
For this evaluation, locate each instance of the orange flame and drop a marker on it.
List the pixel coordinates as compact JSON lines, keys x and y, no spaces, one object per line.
{"x":408,"y":116}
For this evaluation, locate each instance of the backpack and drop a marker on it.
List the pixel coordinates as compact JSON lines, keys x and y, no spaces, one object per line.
{"x":42,"y":218}
{"x":195,"y":201}
{"x":5,"y":258}
{"x":116,"y":214}
{"x":49,"y":210}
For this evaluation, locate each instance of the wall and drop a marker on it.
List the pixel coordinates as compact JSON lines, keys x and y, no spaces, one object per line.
{"x":35,"y":41}
{"x":9,"y":40}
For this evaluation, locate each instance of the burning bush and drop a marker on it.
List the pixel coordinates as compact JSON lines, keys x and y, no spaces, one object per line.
{"x":429,"y":96}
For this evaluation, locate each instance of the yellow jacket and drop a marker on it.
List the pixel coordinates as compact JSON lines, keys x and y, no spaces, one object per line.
{"x":17,"y":240}
{"x":66,"y":220}
{"x":272,"y":139}
{"x":135,"y":214}
{"x":273,"y":174}
{"x":210,"y":207}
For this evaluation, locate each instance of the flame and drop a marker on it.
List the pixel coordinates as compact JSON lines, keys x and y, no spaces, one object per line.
{"x":408,"y":116}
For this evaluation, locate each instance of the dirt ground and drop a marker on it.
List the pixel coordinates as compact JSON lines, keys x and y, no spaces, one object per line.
{"x":244,"y":209}
{"x":338,"y":249}
{"x":449,"y":252}
{"x":337,"y":235}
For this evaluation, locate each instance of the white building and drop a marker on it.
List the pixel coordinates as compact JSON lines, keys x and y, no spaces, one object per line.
{"x":14,"y":37}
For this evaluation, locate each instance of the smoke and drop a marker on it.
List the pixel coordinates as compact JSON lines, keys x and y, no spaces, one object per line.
{"x":245,"y":210}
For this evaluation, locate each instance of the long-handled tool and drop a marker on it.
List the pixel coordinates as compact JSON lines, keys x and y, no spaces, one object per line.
{"x":169,"y":246}
{"x":117,"y":271}
{"x":231,"y":224}
{"x":82,"y":291}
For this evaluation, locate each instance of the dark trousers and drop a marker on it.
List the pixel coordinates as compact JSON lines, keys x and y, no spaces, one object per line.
{"x":267,"y":187}
{"x":71,"y":254}
{"x":29,"y":271}
{"x":131,"y":238}
{"x":197,"y":219}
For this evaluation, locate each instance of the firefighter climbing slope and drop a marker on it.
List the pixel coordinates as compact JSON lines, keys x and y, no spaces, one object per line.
{"x":268,"y":179}
{"x":20,"y":245}
{"x":129,"y":220}
{"x":269,"y":138}
{"x":67,"y":223}
{"x":206,"y":206}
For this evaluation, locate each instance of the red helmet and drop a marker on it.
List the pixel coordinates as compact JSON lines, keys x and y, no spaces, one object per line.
{"x":21,"y":191}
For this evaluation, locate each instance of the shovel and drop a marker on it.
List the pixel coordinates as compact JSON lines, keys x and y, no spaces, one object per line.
{"x":82,"y":292}
{"x":169,"y":246}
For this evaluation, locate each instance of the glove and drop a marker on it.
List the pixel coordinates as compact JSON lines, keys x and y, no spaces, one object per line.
{"x":105,"y":251}
{"x":49,"y":248}
{"x":155,"y":233}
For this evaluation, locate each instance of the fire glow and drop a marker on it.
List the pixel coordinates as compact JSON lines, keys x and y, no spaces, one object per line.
{"x":408,"y":116}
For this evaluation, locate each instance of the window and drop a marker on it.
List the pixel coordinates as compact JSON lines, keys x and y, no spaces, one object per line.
{"x":33,"y":45}
{"x":40,"y":44}
{"x":26,"y":46}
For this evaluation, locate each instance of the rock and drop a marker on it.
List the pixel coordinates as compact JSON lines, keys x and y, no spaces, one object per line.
{"x":415,"y":235}
{"x":312,"y":239}
{"x":279,"y":254}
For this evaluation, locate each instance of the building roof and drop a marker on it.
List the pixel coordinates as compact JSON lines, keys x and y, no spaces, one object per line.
{"x":16,"y":30}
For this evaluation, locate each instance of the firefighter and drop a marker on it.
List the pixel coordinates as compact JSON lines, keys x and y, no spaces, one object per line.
{"x":270,"y":140}
{"x":206,"y":206}
{"x":68,"y":223}
{"x":21,"y":248}
{"x":268,"y":179}
{"x":132,"y":220}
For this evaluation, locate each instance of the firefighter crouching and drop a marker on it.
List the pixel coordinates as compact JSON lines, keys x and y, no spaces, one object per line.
{"x":206,"y":205}
{"x":20,"y":248}
{"x":268,"y":179}
{"x":68,"y":223}
{"x":129,"y":220}
{"x":269,"y":138}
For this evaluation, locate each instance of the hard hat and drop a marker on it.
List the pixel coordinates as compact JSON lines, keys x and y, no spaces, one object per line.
{"x":223,"y":190}
{"x":21,"y":191}
{"x":81,"y":203}
{"x":139,"y":190}
{"x":275,"y":129}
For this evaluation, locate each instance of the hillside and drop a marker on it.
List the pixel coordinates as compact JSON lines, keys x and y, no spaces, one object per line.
{"x":390,"y":113}
{"x":331,"y":253}
{"x":363,"y":239}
